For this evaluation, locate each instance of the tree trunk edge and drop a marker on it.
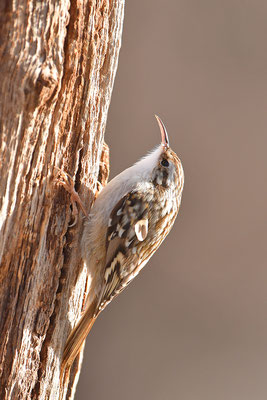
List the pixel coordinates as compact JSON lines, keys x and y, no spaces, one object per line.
{"x":52,"y":113}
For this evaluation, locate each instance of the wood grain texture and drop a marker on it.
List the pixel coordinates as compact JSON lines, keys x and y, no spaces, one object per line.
{"x":57,"y":62}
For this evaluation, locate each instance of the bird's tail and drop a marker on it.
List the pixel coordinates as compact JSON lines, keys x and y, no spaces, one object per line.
{"x":77,"y":337}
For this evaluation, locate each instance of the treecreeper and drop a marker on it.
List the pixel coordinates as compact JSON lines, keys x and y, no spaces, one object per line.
{"x":129,"y":220}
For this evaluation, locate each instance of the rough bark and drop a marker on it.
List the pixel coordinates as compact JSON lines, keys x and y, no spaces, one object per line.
{"x":58,"y":60}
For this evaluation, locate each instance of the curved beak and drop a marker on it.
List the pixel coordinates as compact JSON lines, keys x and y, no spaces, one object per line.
{"x":164,"y":134}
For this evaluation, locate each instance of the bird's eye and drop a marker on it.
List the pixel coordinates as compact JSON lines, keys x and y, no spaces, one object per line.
{"x":164,"y":162}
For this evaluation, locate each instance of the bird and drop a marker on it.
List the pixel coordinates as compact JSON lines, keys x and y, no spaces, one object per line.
{"x":130,"y":218}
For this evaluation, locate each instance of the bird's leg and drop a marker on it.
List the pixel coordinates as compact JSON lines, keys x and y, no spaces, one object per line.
{"x":67,"y":182}
{"x":85,"y":295}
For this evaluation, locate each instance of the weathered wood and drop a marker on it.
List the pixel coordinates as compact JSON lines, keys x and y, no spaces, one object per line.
{"x":58,"y":62}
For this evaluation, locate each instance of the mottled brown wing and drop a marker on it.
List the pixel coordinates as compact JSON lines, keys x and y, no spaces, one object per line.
{"x":128,"y":226}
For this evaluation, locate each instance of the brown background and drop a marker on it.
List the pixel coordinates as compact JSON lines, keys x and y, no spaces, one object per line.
{"x":193,"y":325}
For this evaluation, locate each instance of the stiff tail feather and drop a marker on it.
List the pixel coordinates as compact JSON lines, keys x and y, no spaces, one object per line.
{"x":77,"y":337}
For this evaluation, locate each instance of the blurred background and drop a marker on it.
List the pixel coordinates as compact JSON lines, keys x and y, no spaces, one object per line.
{"x":193,"y":324}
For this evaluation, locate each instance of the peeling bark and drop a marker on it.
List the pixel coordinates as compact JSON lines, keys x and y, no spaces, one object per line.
{"x":58,"y":62}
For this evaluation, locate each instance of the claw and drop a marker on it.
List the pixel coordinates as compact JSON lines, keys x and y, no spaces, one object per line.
{"x":65,"y":180}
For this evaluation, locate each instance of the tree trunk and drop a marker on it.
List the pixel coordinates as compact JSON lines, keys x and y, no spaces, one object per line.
{"x":58,"y":60}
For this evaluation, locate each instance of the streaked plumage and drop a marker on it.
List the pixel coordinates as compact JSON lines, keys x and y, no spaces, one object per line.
{"x":129,"y":220}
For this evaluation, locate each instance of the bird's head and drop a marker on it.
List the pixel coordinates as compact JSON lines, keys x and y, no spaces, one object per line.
{"x":166,"y":167}
{"x":161,"y":166}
